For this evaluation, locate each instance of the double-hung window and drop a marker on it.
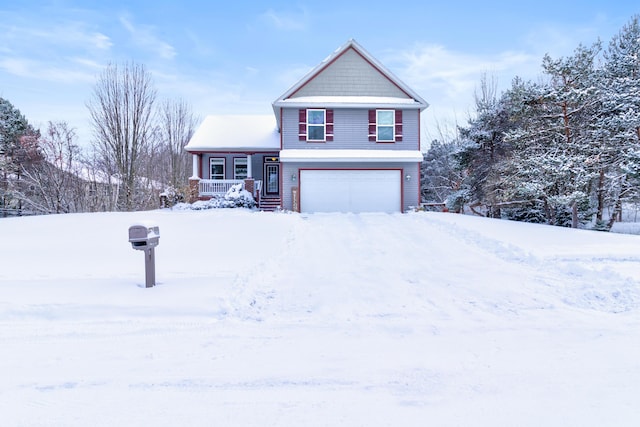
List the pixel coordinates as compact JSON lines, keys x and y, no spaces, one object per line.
{"x":385,"y":125}
{"x":316,"y":125}
{"x":216,"y":165}
{"x":240,"y":168}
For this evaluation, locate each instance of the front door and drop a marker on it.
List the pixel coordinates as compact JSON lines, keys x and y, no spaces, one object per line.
{"x":272,"y":178}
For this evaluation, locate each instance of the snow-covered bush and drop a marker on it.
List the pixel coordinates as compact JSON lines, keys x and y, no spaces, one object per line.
{"x":456,"y":200}
{"x":236,"y":197}
{"x":171,"y":196}
{"x":562,"y":209}
{"x":525,"y":203}
{"x":532,"y":211}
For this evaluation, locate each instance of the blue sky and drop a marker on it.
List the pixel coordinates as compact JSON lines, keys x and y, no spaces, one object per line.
{"x":238,"y":56}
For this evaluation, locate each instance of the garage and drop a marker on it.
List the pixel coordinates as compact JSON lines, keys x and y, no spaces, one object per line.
{"x":350,"y":190}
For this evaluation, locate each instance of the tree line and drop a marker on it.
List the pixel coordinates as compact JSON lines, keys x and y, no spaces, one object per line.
{"x":564,"y":150}
{"x":136,"y":151}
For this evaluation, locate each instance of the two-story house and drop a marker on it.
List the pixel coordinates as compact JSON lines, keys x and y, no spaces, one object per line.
{"x":345,"y":138}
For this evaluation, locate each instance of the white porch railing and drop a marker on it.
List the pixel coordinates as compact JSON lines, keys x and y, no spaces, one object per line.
{"x":214,"y":187}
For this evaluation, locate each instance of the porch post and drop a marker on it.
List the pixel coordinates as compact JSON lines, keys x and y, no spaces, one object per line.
{"x":249,"y":171}
{"x":196,"y":162}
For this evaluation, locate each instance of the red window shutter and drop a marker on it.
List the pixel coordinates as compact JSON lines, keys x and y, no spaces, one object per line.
{"x":329,"y":125}
{"x":398,"y":125}
{"x":302,"y":125}
{"x":372,"y":126}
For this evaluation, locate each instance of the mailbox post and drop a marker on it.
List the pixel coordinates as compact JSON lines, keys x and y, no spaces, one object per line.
{"x":145,"y":237}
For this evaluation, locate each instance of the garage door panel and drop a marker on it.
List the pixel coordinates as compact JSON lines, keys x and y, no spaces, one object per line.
{"x":350,"y":190}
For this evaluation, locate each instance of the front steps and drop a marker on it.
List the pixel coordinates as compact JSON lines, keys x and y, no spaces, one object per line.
{"x":270,"y":203}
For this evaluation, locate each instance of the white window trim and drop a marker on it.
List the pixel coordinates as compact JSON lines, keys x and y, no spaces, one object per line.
{"x":218,"y":161}
{"x":242,"y":161}
{"x":324,"y":125}
{"x":393,"y":126}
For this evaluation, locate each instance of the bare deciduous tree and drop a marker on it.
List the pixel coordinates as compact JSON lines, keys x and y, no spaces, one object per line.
{"x":55,"y":184}
{"x":176,"y":126}
{"x":122,"y":117}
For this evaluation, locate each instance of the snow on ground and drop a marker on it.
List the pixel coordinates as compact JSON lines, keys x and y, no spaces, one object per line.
{"x":329,"y":319}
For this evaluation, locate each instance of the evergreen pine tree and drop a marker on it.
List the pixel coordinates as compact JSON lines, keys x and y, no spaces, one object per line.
{"x":18,"y":148}
{"x":618,"y":126}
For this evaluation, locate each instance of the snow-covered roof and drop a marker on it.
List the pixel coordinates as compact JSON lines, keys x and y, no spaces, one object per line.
{"x":236,"y":133}
{"x":366,"y":156}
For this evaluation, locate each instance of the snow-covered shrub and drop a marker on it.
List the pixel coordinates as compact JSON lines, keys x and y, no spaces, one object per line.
{"x":600,"y":226}
{"x":562,"y":209}
{"x":171,"y":196}
{"x":236,"y":197}
{"x":456,"y":201}
{"x":526,"y":204}
{"x":532,"y":211}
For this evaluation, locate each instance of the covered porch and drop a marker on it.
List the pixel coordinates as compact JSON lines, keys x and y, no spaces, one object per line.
{"x":215,"y":173}
{"x":235,"y":149}
{"x":218,"y":187}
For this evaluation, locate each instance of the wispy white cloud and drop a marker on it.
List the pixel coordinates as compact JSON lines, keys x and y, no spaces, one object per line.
{"x":39,"y":70}
{"x":71,"y":35}
{"x":199,"y":46}
{"x":457,"y":73}
{"x":290,"y":75}
{"x":448,"y":79}
{"x":559,"y":40}
{"x":100,"y":41}
{"x":286,"y":20}
{"x":211,"y":93}
{"x":253,"y":71}
{"x":143,"y":36}
{"x":88,"y":63}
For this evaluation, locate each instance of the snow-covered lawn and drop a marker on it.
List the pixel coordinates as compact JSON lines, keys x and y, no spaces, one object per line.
{"x":263,"y":319}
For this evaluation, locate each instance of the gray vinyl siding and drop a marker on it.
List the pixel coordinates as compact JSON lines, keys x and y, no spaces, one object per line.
{"x":257,"y":164}
{"x":350,"y":75}
{"x":351,"y":131}
{"x":409,"y":188}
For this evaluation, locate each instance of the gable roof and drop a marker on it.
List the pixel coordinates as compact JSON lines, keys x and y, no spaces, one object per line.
{"x":229,"y":133}
{"x":389,"y":90}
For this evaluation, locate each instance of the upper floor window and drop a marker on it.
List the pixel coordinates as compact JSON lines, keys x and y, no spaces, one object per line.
{"x":216,"y":165}
{"x":240,"y":168}
{"x":315,"y":125}
{"x":385,"y":125}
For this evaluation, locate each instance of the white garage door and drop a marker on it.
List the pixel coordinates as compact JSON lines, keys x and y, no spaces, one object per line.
{"x":350,"y":190}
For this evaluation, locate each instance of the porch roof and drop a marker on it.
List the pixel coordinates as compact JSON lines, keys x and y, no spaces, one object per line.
{"x":236,"y":133}
{"x":366,"y":156}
